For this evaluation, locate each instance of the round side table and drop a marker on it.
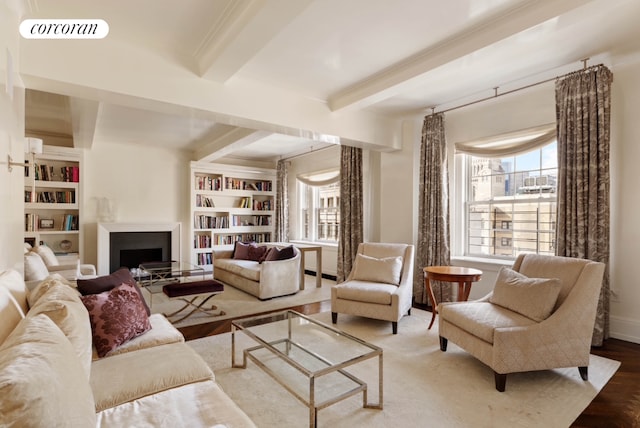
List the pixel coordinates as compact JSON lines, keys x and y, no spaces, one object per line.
{"x":465,"y":277}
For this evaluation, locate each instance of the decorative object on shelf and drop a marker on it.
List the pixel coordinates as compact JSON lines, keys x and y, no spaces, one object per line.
{"x":31,"y":146}
{"x":46,"y":223}
{"x":65,"y":245}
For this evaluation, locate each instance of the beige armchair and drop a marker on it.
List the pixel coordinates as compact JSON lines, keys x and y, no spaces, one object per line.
{"x":379,"y":286}
{"x":539,"y":316}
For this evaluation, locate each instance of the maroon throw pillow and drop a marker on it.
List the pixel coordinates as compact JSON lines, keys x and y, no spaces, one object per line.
{"x":108,"y":282}
{"x":241,"y":251}
{"x":272,"y":254}
{"x":257,"y":252}
{"x":116,"y":317}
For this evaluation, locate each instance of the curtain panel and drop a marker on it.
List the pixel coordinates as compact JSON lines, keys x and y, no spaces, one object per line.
{"x":351,"y":209}
{"x":583,"y":109}
{"x":281,"y":223}
{"x":433,"y":210}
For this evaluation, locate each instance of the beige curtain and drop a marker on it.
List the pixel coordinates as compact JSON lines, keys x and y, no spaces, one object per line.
{"x":583,"y":106}
{"x":282,"y":202}
{"x":351,"y":209}
{"x":433,"y":209}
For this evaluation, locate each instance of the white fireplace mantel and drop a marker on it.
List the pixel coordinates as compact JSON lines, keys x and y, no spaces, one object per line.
{"x":104,"y":229}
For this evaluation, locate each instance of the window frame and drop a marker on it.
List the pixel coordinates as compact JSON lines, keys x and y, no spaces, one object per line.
{"x":309,"y":192}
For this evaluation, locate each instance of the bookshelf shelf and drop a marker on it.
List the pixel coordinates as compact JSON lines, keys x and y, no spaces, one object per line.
{"x":229,"y":203}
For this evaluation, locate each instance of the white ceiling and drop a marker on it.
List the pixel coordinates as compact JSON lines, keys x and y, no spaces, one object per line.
{"x":396,"y":58}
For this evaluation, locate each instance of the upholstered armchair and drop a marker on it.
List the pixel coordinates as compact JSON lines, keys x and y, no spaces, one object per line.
{"x":539,"y":316}
{"x":379,"y":285}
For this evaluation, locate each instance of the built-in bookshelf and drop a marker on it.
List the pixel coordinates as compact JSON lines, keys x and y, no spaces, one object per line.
{"x":229,"y":204}
{"x":52,"y":200}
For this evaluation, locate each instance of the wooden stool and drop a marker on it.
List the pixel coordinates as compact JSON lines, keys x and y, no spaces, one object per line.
{"x":190,"y":292}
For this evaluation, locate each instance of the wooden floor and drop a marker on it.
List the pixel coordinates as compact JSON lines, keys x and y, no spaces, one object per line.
{"x":617,"y":405}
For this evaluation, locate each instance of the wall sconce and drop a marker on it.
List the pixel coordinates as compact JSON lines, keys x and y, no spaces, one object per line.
{"x":33,"y":146}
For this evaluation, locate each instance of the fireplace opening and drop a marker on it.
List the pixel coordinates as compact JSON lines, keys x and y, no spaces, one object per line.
{"x":130,"y":249}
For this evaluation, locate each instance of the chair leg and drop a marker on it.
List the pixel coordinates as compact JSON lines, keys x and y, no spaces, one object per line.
{"x":334,"y":317}
{"x":409,"y":311}
{"x":501,"y":381}
{"x":394,"y":327}
{"x":443,"y":343}
{"x":584,"y":372}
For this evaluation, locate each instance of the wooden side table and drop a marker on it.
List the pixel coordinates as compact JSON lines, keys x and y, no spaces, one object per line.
{"x":465,"y":277}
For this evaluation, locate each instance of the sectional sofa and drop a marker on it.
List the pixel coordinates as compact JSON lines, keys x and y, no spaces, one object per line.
{"x":52,"y":375}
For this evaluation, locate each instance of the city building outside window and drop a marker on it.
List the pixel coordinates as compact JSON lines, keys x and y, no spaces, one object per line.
{"x":511,"y":204}
{"x":319,"y":216}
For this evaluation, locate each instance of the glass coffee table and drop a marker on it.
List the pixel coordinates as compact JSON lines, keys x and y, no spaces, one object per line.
{"x":152,"y":275}
{"x":308,"y":358}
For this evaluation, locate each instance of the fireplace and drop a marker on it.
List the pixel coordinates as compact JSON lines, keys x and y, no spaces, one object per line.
{"x":129,"y":245}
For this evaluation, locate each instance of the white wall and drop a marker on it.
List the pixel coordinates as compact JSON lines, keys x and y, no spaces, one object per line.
{"x":144,"y":186}
{"x":11,"y":142}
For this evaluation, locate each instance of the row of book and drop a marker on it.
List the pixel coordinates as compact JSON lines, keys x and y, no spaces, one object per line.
{"x":34,"y":223}
{"x":205,"y":259}
{"x":256,"y":220}
{"x":238,"y":184}
{"x":69,"y":174}
{"x":263,"y":205}
{"x":51,"y":197}
{"x":210,"y":222}
{"x":202,"y":241}
{"x":243,"y":237}
{"x":207,"y":182}
{"x":204,"y":201}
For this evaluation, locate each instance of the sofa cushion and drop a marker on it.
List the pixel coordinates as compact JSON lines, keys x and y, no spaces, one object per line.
{"x":63,"y":306}
{"x":534,"y":298}
{"x":154,"y":369}
{"x":10,"y":314}
{"x":47,"y":254}
{"x":363,"y":291}
{"x":69,"y":292}
{"x":117,"y":316}
{"x":481,"y":318}
{"x":386,"y":270}
{"x":12,"y":281}
{"x":41,"y":380}
{"x":34,"y":267}
{"x":108,"y":282}
{"x":244,"y":268}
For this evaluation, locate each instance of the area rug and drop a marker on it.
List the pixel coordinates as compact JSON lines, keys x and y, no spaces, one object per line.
{"x":236,"y":303}
{"x":423,"y":386}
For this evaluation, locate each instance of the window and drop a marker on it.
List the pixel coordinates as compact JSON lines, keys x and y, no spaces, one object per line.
{"x":511,"y":203}
{"x":319,"y":216}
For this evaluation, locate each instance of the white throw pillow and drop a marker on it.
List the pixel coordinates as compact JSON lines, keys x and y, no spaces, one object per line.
{"x":34,"y":267}
{"x":42,"y":383}
{"x":386,"y":270}
{"x":47,"y":255}
{"x":534,"y":298}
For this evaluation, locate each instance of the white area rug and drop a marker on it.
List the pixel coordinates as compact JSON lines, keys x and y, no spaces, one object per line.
{"x":423,"y":386}
{"x":236,"y":303}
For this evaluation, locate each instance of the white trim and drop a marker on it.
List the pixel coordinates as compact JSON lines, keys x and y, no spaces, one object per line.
{"x":104,"y":229}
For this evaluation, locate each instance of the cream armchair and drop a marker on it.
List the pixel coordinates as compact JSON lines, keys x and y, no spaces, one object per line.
{"x":40,"y":262}
{"x":379,"y":286}
{"x":539,"y":316}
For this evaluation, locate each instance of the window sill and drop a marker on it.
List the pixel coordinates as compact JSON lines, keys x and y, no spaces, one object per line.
{"x":319,"y":243}
{"x":481,"y":263}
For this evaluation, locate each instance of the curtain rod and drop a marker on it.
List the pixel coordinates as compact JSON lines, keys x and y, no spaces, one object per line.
{"x":308,"y":153}
{"x":496,"y":94}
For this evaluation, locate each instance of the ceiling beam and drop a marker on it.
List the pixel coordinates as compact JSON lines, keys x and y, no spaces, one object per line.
{"x":246,"y":27}
{"x":84,"y":117}
{"x":227,"y":143}
{"x":391,"y":81}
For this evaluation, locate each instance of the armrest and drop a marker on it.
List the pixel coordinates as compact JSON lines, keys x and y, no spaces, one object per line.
{"x":222,"y":254}
{"x":274,"y":275}
{"x":85,"y":269}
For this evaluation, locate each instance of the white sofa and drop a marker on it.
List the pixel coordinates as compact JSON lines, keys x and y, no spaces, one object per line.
{"x":263,"y":280}
{"x":49,"y":375}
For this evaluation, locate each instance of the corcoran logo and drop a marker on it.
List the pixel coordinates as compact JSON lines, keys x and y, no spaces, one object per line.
{"x":64,"y":29}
